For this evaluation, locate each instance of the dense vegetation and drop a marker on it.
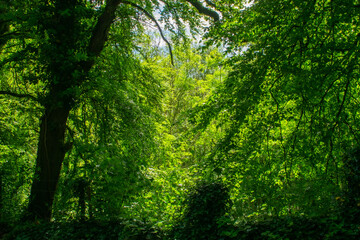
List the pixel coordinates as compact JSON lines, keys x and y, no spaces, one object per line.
{"x":179,"y":119}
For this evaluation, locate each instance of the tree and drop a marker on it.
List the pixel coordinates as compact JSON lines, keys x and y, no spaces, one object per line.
{"x":112,"y":131}
{"x":179,"y":151}
{"x":289,"y":105}
{"x":58,"y":42}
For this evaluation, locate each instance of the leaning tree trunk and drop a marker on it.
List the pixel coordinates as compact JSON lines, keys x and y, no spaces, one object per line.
{"x":50,"y":156}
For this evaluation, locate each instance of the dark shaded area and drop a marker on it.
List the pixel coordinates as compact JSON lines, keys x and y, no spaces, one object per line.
{"x":331,"y":227}
{"x":352,"y":173}
{"x":84,"y":230}
{"x":204,"y":217}
{"x":205,"y":207}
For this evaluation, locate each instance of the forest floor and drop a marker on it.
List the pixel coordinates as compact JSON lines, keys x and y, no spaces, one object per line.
{"x":273,"y":228}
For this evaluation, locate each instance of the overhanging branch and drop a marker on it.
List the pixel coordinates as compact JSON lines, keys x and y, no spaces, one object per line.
{"x":204,"y":10}
{"x":101,"y":31}
{"x":157,"y":25}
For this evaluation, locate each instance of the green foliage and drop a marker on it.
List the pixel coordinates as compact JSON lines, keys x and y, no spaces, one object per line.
{"x":298,"y":228}
{"x":288,"y":108}
{"x":277,"y":106}
{"x":109,"y":138}
{"x":18,"y":118}
{"x":274,"y":228}
{"x":179,"y":158}
{"x":205,"y":206}
{"x":112,"y":130}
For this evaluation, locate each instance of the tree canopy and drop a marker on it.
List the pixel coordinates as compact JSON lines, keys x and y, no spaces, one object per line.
{"x":143,"y":110}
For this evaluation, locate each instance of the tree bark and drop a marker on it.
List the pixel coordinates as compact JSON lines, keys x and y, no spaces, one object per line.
{"x":50,"y":156}
{"x":204,"y":10}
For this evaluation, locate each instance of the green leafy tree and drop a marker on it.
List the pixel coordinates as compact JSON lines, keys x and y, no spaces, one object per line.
{"x":289,"y":105}
{"x":113,"y":130}
{"x":180,"y":151}
{"x":58,"y":43}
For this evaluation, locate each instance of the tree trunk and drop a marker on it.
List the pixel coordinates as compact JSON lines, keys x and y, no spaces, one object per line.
{"x":51,"y":153}
{"x":51,"y":146}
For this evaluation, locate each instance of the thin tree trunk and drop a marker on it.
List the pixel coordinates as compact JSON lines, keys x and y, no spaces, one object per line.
{"x":50,"y":156}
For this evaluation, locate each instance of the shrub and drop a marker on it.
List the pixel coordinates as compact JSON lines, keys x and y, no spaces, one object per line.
{"x":204,"y":214}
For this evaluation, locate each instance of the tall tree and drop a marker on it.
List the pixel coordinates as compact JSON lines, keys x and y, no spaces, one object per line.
{"x":290,"y":103}
{"x":180,"y":152}
{"x":62,"y":39}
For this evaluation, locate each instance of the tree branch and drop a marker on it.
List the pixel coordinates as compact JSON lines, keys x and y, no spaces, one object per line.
{"x":101,"y":31}
{"x":341,"y":105}
{"x":204,"y":10}
{"x":18,"y":95}
{"x":157,"y":25}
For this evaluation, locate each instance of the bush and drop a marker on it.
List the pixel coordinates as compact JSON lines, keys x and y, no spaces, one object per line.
{"x":204,"y":214}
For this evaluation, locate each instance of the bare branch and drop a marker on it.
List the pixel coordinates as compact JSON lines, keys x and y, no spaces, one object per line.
{"x":157,"y":25}
{"x":18,"y":95}
{"x":204,"y":10}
